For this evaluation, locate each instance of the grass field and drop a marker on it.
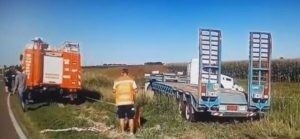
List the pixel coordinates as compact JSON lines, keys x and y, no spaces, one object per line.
{"x":160,"y":116}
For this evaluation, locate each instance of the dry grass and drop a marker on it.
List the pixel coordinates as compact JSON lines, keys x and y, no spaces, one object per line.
{"x":160,"y":117}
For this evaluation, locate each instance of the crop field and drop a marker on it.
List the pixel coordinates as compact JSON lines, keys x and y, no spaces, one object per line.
{"x":283,"y":70}
{"x":160,"y":117}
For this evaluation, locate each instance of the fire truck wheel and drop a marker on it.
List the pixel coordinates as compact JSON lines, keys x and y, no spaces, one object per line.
{"x":61,"y":91}
{"x":73,"y":97}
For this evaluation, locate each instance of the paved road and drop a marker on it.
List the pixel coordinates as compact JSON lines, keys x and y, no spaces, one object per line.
{"x":7,"y":130}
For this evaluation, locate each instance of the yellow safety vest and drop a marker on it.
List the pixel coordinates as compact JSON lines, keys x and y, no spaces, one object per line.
{"x":125,"y":91}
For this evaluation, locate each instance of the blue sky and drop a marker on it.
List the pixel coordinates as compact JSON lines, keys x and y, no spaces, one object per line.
{"x":136,"y":31}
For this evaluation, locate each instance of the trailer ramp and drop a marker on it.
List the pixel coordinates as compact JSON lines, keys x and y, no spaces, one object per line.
{"x":259,"y":72}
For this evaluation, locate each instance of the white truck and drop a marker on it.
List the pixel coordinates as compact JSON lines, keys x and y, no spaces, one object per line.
{"x":193,"y":75}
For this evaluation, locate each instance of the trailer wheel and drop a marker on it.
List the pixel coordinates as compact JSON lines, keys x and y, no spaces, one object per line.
{"x":260,"y":116}
{"x":181,"y":107}
{"x":190,"y":113}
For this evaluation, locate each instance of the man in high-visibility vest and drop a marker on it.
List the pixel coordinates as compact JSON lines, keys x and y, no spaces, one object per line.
{"x":125,"y":90}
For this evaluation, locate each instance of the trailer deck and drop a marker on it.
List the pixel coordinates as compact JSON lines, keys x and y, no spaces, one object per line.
{"x":225,"y":96}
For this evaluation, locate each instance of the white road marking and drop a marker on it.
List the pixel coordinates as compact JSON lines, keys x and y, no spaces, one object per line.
{"x":14,"y":121}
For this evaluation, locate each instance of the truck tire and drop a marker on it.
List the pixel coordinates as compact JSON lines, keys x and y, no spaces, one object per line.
{"x":260,"y":116}
{"x":181,"y":107}
{"x":190,"y":113}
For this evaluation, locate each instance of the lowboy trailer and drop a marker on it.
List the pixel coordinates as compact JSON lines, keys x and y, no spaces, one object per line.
{"x":208,"y":97}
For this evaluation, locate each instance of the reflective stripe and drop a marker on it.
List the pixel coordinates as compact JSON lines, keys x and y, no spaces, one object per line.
{"x":125,"y":103}
{"x":125,"y":81}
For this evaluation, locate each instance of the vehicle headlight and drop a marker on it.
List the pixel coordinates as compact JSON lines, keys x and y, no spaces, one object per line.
{"x":222,"y":107}
{"x":242,"y":108}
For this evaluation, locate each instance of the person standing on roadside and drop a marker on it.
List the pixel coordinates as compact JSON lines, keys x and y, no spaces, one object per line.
{"x":8,"y":77}
{"x":5,"y":78}
{"x":20,"y":85}
{"x":125,"y":90}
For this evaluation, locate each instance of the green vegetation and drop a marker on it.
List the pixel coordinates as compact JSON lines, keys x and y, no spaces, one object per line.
{"x":283,"y":70}
{"x":160,"y":115}
{"x":50,"y":117}
{"x":30,"y":128}
{"x":282,"y":121}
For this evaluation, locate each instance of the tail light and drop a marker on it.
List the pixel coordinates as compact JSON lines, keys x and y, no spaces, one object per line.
{"x":203,"y":90}
{"x":266,"y":91}
{"x":266,"y":87}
